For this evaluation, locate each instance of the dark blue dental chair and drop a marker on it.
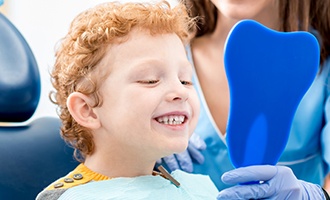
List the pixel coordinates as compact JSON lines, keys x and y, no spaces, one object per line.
{"x":32,"y":153}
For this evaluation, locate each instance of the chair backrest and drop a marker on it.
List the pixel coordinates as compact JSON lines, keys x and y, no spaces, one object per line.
{"x":32,"y":153}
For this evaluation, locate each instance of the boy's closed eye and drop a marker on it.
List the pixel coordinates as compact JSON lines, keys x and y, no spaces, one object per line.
{"x":148,"y":81}
{"x":186,"y":82}
{"x":156,"y":81}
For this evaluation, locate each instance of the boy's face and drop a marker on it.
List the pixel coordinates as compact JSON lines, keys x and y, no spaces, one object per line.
{"x":149,"y":103}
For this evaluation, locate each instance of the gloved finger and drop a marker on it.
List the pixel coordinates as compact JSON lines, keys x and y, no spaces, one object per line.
{"x":254,"y":191}
{"x":196,"y":155}
{"x":197,"y":142}
{"x":185,"y":161}
{"x":171,"y":162}
{"x":249,"y":174}
{"x":159,"y":161}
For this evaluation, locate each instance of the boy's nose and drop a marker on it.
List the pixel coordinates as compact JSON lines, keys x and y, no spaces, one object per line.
{"x":178,"y":92}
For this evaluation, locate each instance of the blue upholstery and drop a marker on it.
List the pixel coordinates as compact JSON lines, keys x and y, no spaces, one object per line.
{"x":31,"y":155}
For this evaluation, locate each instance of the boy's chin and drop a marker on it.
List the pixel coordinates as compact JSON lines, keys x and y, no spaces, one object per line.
{"x":178,"y":149}
{"x":172,"y":146}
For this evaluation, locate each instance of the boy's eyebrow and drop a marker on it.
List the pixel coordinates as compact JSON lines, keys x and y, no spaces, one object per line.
{"x":144,"y":67}
{"x":148,"y":63}
{"x":144,"y":61}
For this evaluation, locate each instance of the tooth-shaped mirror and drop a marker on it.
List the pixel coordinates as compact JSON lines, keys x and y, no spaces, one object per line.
{"x":268,"y":74}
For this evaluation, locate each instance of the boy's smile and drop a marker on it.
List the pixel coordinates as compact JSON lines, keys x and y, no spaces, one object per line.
{"x":174,"y":120}
{"x":171,"y":119}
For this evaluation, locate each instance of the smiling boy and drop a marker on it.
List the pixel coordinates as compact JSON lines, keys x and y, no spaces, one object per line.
{"x":124,"y":88}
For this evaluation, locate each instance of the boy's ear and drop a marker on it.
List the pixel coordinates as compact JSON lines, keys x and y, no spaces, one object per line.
{"x":80,"y":109}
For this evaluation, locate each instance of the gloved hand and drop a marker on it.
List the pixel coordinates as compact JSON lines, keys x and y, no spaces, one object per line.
{"x":184,"y":160}
{"x":1,"y":2}
{"x":277,"y":182}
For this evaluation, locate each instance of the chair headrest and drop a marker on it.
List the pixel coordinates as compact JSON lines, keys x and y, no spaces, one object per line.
{"x":19,"y":75}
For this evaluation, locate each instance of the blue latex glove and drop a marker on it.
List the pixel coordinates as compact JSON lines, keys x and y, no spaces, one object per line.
{"x":184,"y":160}
{"x":1,"y":2}
{"x":277,"y":182}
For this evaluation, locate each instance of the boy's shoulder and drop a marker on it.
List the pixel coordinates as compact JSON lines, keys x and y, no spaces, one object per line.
{"x":50,"y":194}
{"x":80,"y":175}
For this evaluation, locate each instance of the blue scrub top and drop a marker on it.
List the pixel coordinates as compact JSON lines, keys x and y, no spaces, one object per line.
{"x":306,"y":153}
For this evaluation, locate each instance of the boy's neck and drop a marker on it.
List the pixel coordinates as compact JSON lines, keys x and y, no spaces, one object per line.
{"x":119,"y":165}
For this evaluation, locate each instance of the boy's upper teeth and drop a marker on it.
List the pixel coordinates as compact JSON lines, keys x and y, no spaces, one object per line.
{"x":171,"y":119}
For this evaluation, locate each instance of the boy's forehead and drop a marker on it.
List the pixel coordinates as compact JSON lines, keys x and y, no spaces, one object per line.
{"x":140,"y":40}
{"x":140,"y":31}
{"x":140,"y":46}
